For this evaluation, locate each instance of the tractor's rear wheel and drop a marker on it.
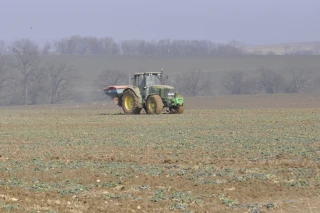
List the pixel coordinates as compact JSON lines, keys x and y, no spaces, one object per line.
{"x":130,"y":103}
{"x":176,"y":109}
{"x":154,"y":104}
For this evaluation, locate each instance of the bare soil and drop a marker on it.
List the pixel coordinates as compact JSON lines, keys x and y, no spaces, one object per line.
{"x":258,"y":153}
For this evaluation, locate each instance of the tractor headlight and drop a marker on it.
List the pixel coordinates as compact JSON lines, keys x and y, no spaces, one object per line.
{"x":171,"y":94}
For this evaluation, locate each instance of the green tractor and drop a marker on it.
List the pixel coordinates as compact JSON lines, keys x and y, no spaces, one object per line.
{"x":147,"y":92}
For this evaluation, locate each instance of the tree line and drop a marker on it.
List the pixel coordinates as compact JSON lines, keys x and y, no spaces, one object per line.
{"x":89,"y":45}
{"x":263,"y":80}
{"x":77,"y":45}
{"x":25,"y":79}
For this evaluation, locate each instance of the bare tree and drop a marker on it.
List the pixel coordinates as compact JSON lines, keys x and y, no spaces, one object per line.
{"x":105,"y":79}
{"x":46,"y":48}
{"x":299,"y":80}
{"x":234,"y":83}
{"x":240,"y":46}
{"x":26,"y":62}
{"x":316,"y":84}
{"x":5,"y":80}
{"x":237,"y":83}
{"x":270,"y":81}
{"x":2,"y":48}
{"x":61,"y":78}
{"x":194,"y":83}
{"x":38,"y":86}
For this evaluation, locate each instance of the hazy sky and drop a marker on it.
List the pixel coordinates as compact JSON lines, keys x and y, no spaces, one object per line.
{"x":249,"y":21}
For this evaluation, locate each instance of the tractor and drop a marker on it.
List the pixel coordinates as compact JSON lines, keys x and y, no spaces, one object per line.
{"x":148,"y":93}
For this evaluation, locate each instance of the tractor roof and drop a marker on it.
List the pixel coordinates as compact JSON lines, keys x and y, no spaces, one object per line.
{"x":162,"y":86}
{"x":146,"y":73}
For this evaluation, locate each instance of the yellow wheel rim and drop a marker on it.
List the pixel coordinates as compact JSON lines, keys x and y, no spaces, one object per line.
{"x":128,"y":103}
{"x":151,"y":106}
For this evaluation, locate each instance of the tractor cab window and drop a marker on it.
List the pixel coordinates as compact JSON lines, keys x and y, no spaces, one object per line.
{"x":153,"y":80}
{"x":138,"y":80}
{"x":141,"y":81}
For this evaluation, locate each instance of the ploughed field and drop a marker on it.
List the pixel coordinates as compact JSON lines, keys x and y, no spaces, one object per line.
{"x":224,"y":154}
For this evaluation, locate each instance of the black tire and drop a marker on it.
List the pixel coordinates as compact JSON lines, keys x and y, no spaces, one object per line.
{"x":176,"y":109}
{"x":154,"y":104}
{"x":130,"y":103}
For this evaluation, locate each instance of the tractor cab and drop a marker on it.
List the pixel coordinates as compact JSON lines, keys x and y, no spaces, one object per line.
{"x":145,"y":81}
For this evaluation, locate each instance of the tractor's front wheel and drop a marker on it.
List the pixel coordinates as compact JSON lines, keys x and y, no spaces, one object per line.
{"x":154,"y":104}
{"x":176,"y":109}
{"x":130,"y":103}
